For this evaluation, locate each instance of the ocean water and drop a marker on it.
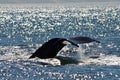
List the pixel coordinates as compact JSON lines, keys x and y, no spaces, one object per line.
{"x":23,"y":29}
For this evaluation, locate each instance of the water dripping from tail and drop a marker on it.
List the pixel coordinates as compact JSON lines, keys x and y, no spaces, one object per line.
{"x":81,"y":51}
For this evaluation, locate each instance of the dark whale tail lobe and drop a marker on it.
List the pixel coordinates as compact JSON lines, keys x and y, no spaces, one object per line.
{"x":51,"y":48}
{"x":82,"y":39}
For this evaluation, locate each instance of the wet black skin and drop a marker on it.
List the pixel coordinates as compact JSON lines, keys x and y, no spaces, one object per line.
{"x":51,"y":48}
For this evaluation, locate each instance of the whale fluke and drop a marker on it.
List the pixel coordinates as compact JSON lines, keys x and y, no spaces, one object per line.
{"x":53,"y":46}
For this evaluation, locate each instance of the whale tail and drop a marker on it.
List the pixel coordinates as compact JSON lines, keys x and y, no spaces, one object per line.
{"x":51,"y":48}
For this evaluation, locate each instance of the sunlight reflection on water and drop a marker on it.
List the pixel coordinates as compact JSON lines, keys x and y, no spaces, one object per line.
{"x":23,"y":30}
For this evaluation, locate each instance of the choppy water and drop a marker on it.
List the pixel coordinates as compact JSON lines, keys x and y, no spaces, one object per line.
{"x":24,"y":29}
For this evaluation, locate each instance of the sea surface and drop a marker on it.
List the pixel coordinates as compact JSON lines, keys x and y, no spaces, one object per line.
{"x":25,"y":27}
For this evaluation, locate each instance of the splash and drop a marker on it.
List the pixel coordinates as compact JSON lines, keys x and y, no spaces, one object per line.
{"x":81,"y":52}
{"x":86,"y":51}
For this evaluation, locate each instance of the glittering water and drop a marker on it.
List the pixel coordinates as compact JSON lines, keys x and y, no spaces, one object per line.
{"x":24,"y":29}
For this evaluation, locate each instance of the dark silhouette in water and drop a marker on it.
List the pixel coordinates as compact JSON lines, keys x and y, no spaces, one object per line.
{"x":81,"y":40}
{"x":53,"y":46}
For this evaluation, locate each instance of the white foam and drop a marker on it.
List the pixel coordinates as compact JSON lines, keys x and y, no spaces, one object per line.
{"x":102,"y":60}
{"x":52,"y":61}
{"x":22,"y":54}
{"x":81,"y":52}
